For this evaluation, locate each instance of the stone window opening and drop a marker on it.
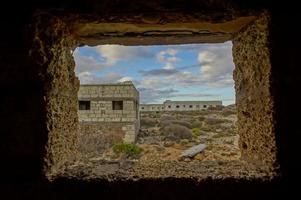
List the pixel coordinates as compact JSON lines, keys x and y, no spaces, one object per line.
{"x":177,"y":106}
{"x":84,"y":105}
{"x":190,"y":106}
{"x":256,"y":26}
{"x":117,"y":105}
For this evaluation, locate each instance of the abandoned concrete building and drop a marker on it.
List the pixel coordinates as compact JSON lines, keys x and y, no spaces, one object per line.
{"x":39,"y":89}
{"x":110,"y":105}
{"x":169,"y":105}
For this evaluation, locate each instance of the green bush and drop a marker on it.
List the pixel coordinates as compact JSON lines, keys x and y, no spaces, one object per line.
{"x":129,"y":149}
{"x":196,"y":131}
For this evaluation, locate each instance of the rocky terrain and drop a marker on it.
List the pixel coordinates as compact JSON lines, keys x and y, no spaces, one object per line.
{"x":164,"y":136}
{"x":158,"y":153}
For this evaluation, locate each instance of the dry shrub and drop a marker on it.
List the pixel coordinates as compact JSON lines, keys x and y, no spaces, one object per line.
{"x":181,"y":122}
{"x":196,"y":124}
{"x":176,"y":132}
{"x":227,"y":112}
{"x":95,"y":143}
{"x":201,"y":118}
{"x":218,"y":107}
{"x":166,"y":117}
{"x":165,"y":123}
{"x":214,"y":121}
{"x":148,"y":122}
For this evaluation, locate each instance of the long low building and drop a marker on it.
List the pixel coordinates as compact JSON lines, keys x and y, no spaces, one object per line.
{"x":169,"y":105}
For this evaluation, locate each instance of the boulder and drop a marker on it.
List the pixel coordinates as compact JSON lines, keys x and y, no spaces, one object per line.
{"x":192,"y":151}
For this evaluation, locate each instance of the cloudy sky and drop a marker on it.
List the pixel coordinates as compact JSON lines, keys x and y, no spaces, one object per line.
{"x":160,"y":72}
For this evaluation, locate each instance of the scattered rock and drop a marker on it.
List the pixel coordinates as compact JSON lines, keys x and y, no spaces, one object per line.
{"x":191,"y":152}
{"x":168,"y":143}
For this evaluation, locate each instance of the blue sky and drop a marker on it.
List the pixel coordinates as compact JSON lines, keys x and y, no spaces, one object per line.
{"x":160,"y":72}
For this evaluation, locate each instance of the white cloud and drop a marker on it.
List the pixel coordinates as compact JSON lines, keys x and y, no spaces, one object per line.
{"x":214,"y":69}
{"x":114,"y":53}
{"x":126,"y":78}
{"x":168,"y":57}
{"x":216,"y":64}
{"x":91,"y":78}
{"x":87,"y":63}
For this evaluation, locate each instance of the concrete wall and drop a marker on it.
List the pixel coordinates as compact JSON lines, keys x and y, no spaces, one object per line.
{"x":101,"y":99}
{"x":180,"y":106}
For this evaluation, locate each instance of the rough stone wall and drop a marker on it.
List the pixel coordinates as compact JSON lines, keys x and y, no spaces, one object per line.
{"x":95,"y":137}
{"x":51,"y":52}
{"x":252,"y":77}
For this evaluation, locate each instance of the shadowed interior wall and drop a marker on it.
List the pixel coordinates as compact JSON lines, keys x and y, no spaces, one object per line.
{"x":51,"y":52}
{"x":254,"y":102}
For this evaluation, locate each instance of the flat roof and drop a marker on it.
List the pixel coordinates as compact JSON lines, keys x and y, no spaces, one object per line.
{"x":126,"y":83}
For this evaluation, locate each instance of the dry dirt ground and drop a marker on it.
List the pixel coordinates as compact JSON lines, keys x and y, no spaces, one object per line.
{"x":162,"y":138}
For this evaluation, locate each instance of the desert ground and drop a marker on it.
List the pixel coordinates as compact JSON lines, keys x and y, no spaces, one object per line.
{"x":162,"y":139}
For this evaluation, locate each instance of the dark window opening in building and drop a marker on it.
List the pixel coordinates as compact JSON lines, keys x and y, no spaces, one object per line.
{"x":183,"y":106}
{"x":177,"y":106}
{"x":84,"y":105}
{"x":117,"y":105}
{"x":190,"y":106}
{"x":169,"y":106}
{"x":142,"y":108}
{"x":204,"y":106}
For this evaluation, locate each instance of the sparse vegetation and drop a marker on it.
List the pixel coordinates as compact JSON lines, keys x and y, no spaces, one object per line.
{"x":176,"y":132}
{"x":164,"y":135}
{"x":148,"y":122}
{"x":214,"y":121}
{"x":196,"y":124}
{"x":226,"y":113}
{"x":129,"y":149}
{"x":196,"y":131}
